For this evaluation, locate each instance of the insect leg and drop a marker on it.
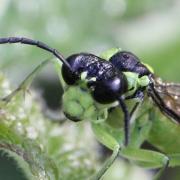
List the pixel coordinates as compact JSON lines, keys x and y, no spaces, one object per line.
{"x":139,"y":94}
{"x":39,"y":44}
{"x":126,"y":119}
{"x":26,"y":82}
{"x":107,"y":164}
{"x":147,"y":159}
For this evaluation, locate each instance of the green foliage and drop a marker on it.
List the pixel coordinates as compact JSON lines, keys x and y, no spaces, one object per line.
{"x":169,"y":143}
{"x":40,"y":148}
{"x":70,"y":26}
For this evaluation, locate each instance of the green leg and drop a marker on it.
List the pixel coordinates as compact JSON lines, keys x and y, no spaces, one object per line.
{"x":27,"y":81}
{"x":174,"y":160}
{"x":161,"y":171}
{"x":107,"y":164}
{"x":145,"y":158}
{"x":148,"y":159}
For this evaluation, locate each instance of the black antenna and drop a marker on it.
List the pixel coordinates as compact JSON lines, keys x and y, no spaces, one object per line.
{"x":126,"y":119}
{"x":39,"y":44}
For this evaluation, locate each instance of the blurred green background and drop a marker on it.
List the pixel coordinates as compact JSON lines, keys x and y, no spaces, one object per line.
{"x":149,"y":28}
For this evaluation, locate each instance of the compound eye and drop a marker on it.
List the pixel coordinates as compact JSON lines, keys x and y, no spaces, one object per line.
{"x":108,"y":91}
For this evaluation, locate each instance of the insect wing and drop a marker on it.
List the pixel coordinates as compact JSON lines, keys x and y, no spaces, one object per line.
{"x":167,"y":97}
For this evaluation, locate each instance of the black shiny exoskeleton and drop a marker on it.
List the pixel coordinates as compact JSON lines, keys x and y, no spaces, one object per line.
{"x":105,"y":79}
{"x":107,"y":83}
{"x":127,"y":61}
{"x":110,"y":83}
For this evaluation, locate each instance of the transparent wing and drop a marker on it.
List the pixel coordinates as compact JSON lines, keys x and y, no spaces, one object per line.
{"x":167,"y":97}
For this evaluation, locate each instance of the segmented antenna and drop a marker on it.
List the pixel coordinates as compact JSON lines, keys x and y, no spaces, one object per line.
{"x":39,"y":44}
